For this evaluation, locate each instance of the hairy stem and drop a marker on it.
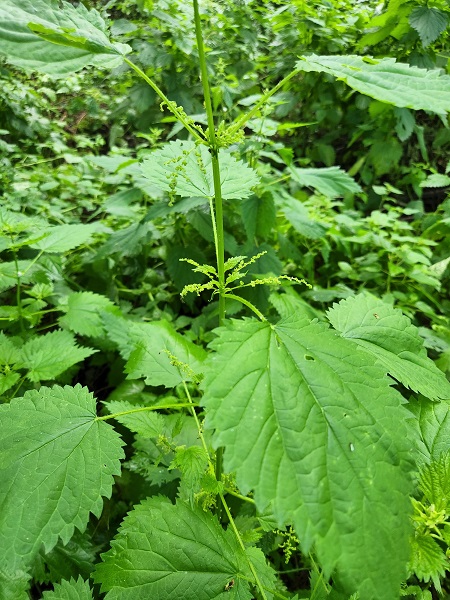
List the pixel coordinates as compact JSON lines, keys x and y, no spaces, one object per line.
{"x":222,"y":499}
{"x":249,"y":305}
{"x":180,"y":116}
{"x":242,"y":120}
{"x":18,"y":292}
{"x":218,"y":217}
{"x":241,"y":543}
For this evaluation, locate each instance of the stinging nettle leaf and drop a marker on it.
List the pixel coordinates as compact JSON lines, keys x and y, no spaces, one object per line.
{"x":56,"y":462}
{"x":70,"y":590}
{"x":62,"y":238}
{"x":150,"y":349}
{"x":83,"y":313}
{"x":302,"y":428}
{"x":329,"y":181}
{"x":55,"y":37}
{"x":428,"y":22}
{"x":391,"y":337}
{"x":387,"y":80}
{"x":14,"y":584}
{"x":186,"y":168}
{"x":68,"y":561}
{"x":167,"y":551}
{"x":433,"y":424}
{"x":47,"y":356}
{"x":300,"y":219}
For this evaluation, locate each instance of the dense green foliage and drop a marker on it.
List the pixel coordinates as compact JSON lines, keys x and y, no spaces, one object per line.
{"x":224,"y":255}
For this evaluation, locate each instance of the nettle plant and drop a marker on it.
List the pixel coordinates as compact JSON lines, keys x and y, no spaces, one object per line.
{"x":300,"y":422}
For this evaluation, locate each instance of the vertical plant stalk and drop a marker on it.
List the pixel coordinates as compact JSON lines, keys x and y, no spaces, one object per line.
{"x":18,"y":293}
{"x":175,"y":110}
{"x":218,"y":217}
{"x":214,"y":150}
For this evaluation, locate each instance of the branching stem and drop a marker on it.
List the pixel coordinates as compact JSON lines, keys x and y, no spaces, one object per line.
{"x":173,"y":109}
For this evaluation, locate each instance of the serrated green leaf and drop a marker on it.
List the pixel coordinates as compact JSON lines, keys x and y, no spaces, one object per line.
{"x":9,"y":273}
{"x":258,"y":215}
{"x":146,"y":423}
{"x":428,"y":560}
{"x":127,"y":241}
{"x":165,"y":551}
{"x":7,"y":380}
{"x":405,"y":123}
{"x":57,"y":461}
{"x":266,"y":574}
{"x":70,"y":590}
{"x":47,"y":356}
{"x":391,"y":337}
{"x":70,"y":560}
{"x":55,"y":37}
{"x":288,"y":303}
{"x":298,"y":216}
{"x":385,"y":154}
{"x":428,"y":22}
{"x":386,"y":80}
{"x":435,"y":180}
{"x":300,"y":426}
{"x":9,"y":356}
{"x":435,"y":482}
{"x":192,"y":462}
{"x":153,"y":343}
{"x":14,"y":584}
{"x":329,"y":181}
{"x":62,"y":238}
{"x":147,"y":348}
{"x":433,"y":422}
{"x":117,"y":329}
{"x":83,"y":313}
{"x":188,"y":168}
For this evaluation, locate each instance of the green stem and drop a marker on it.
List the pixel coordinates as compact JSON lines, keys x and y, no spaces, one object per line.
{"x":16,"y":389}
{"x":240,"y":496}
{"x":18,"y":293}
{"x":242,"y":120}
{"x":218,"y":217}
{"x":180,"y":116}
{"x":248,"y":304}
{"x":224,"y":502}
{"x":144,"y":409}
{"x":241,"y":543}
{"x":214,"y":150}
{"x":192,"y":406}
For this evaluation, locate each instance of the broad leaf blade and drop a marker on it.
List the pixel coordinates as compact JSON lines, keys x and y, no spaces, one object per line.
{"x":428,"y":22}
{"x":386,"y":80}
{"x":332,"y":182}
{"x":300,"y":219}
{"x":70,"y":590}
{"x":165,"y":551}
{"x":186,"y":169}
{"x":301,"y":427}
{"x":47,"y":356}
{"x":57,"y":461}
{"x":14,"y":584}
{"x":390,"y":336}
{"x":433,"y":423}
{"x":83,"y":313}
{"x":62,"y":238}
{"x":55,"y":37}
{"x":155,"y":346}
